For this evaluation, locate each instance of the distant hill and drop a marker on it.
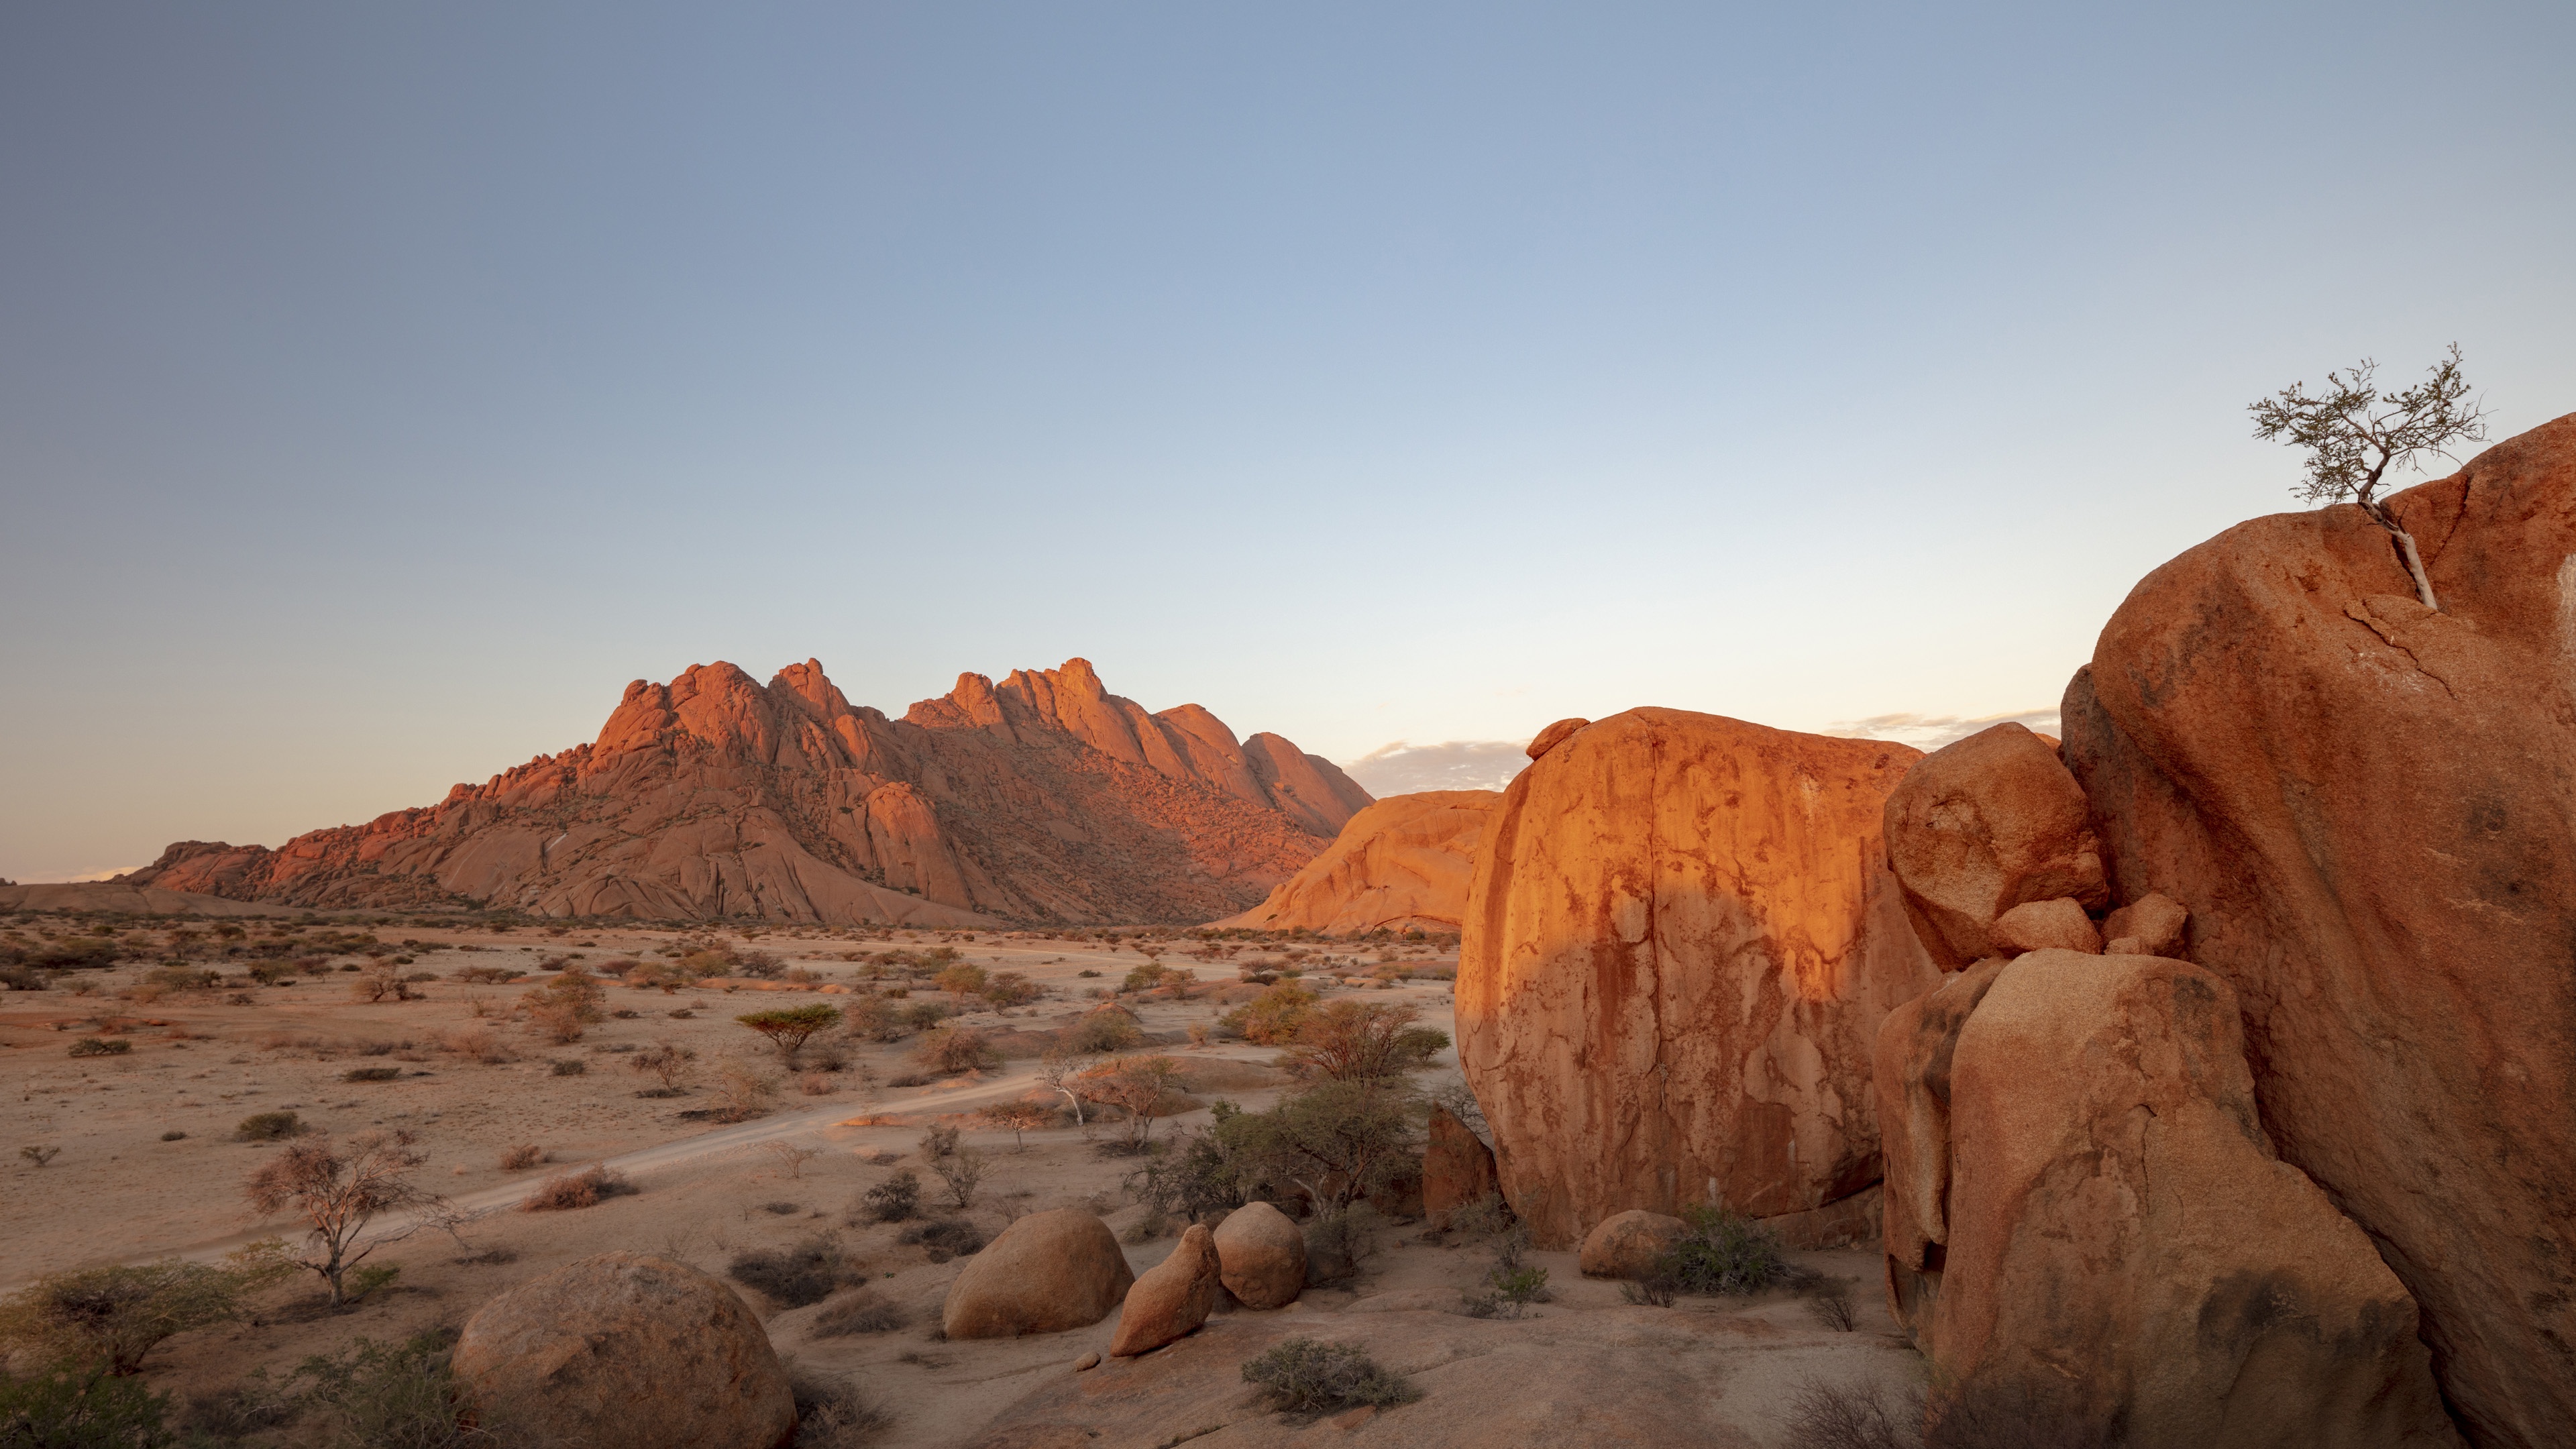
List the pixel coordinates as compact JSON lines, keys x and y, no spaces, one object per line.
{"x":1044,"y":799}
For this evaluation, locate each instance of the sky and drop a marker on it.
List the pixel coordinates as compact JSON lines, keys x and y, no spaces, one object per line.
{"x":383,"y":387}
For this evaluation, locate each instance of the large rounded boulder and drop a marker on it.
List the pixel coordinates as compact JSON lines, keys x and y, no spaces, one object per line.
{"x":1630,"y":1244}
{"x":1261,"y":1256}
{"x":2365,"y":806}
{"x":1983,"y":825}
{"x":1680,"y":943}
{"x":1046,"y":1273}
{"x":625,"y":1349}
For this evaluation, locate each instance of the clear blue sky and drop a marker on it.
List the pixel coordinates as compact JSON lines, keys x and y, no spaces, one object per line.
{"x":382,"y":387}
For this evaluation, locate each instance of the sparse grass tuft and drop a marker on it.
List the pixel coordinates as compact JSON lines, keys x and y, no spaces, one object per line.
{"x":1306,"y":1376}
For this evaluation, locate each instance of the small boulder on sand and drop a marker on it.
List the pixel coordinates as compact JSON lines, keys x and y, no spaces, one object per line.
{"x":1626,"y":1245}
{"x":1172,"y":1298}
{"x":1046,"y":1273}
{"x":625,"y":1349}
{"x":1261,"y":1256}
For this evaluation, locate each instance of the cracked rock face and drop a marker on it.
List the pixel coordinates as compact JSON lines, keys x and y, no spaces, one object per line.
{"x":2366,"y":807}
{"x":1680,"y":942}
{"x":2123,"y":1243}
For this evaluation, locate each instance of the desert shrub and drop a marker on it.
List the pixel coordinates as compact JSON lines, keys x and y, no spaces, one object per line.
{"x":1338,"y":1241}
{"x":952,"y":1049}
{"x":389,"y":1396}
{"x":938,"y":1140}
{"x":2029,"y":1414}
{"x":1305,"y":1376}
{"x":1840,"y":1416}
{"x":908,"y":1079}
{"x":961,"y":1171}
{"x":1272,"y":1018}
{"x":381,"y":978}
{"x":566,"y":1191}
{"x":673,"y":1064}
{"x":1104,"y":1029}
{"x":522,"y":1157}
{"x":856,"y":1313}
{"x":1204,"y":1177}
{"x":174,"y":1135}
{"x":830,"y":1413}
{"x":1143,"y":978}
{"x":758,"y":964}
{"x":1830,"y":1304}
{"x":896,"y":1198}
{"x":923,"y":1015}
{"x":40,"y":1155}
{"x":743,"y":1092}
{"x":1011,"y":988}
{"x":874,"y":1018}
{"x":116,"y":1315}
{"x":72,"y":953}
{"x":97,"y":1046}
{"x":808,"y":1272}
{"x":1338,"y":1141}
{"x":782,"y":1208}
{"x":1016,"y":1118}
{"x":1508,"y":1292}
{"x":1151,"y":1226}
{"x":1652,"y":1291}
{"x":19,"y":976}
{"x":1726,"y":1252}
{"x":815,"y":1084}
{"x":75,"y":1407}
{"x":1143,"y":1087}
{"x":944,"y":1237}
{"x":370,"y":1074}
{"x":267,"y":1127}
{"x":1352,"y":1041}
{"x":567,"y":1067}
{"x":183,"y":978}
{"x":962,"y":980}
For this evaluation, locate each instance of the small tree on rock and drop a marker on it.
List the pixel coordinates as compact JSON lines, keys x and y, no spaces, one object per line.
{"x":2355,"y":434}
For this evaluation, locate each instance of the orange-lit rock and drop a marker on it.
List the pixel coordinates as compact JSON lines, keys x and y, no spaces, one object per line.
{"x":1042,"y":798}
{"x":1401,"y":864}
{"x":2122,"y":1239}
{"x":2366,"y":808}
{"x":2044,"y":925}
{"x":1984,"y":825}
{"x":1457,"y":1167}
{"x":1680,"y":942}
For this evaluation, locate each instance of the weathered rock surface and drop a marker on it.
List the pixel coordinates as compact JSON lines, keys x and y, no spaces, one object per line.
{"x":1626,"y":1245}
{"x":1171,"y":1298}
{"x":625,"y":1349}
{"x":1457,"y":1167}
{"x":1912,"y":1081}
{"x":1043,"y":798}
{"x":2152,"y":925}
{"x":1401,"y":864}
{"x":1983,"y":825}
{"x":2122,"y":1236}
{"x":2045,"y":925}
{"x":1552,"y":736}
{"x":1046,"y":1273}
{"x":1680,"y":942}
{"x":1261,"y":1256}
{"x":1838,"y":1224}
{"x":2366,"y":807}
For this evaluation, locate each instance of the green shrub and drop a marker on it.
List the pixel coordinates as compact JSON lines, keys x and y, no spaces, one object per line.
{"x":945,"y":1238}
{"x":1272,"y":1018}
{"x":268,"y":1127}
{"x":1726,"y":1252}
{"x":389,"y":1396}
{"x":896,"y":1198}
{"x":101,"y":1046}
{"x":1305,"y":1376}
{"x":116,"y":1315}
{"x":81,"y":1408}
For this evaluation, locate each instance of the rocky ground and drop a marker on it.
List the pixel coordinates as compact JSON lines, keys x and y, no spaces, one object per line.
{"x":475,"y":1082}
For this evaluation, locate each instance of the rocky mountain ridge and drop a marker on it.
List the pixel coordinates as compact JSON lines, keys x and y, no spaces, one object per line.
{"x":1044,"y":799}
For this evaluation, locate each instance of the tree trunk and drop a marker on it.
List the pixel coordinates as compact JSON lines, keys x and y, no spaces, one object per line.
{"x":2415,"y":566}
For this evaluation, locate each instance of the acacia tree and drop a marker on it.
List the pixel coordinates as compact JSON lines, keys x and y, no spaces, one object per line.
{"x":790,"y":1027}
{"x":1139,"y":1085}
{"x":1057,"y":1072}
{"x":2355,"y":434}
{"x":338,"y":1192}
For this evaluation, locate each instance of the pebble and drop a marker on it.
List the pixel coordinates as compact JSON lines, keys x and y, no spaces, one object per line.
{"x":1087,"y":1362}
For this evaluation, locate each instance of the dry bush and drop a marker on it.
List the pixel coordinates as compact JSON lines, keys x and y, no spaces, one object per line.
{"x":961,"y":1170}
{"x":1830,"y":1304}
{"x":789,"y":1157}
{"x":577,"y":1190}
{"x":953,"y":1049}
{"x":856,"y":1313}
{"x":522,"y":1157}
{"x":944,"y":1238}
{"x":477,"y":1044}
{"x":1304,"y":1376}
{"x":743,"y":1092}
{"x":673,"y":1064}
{"x":830,"y":1413}
{"x":808,"y":1272}
{"x":893,"y":1200}
{"x":816,"y":1084}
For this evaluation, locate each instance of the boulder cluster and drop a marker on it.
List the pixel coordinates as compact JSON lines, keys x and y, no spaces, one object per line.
{"x":2209,"y":1075}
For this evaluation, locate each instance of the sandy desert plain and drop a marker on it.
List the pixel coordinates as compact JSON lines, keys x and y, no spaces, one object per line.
{"x":147,"y":1166}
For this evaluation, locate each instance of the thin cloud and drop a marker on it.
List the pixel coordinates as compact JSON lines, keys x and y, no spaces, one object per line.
{"x":1932,"y":731}
{"x":1403,"y":768}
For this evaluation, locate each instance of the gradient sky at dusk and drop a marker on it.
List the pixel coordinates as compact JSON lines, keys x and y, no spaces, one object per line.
{"x":382,"y":387}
